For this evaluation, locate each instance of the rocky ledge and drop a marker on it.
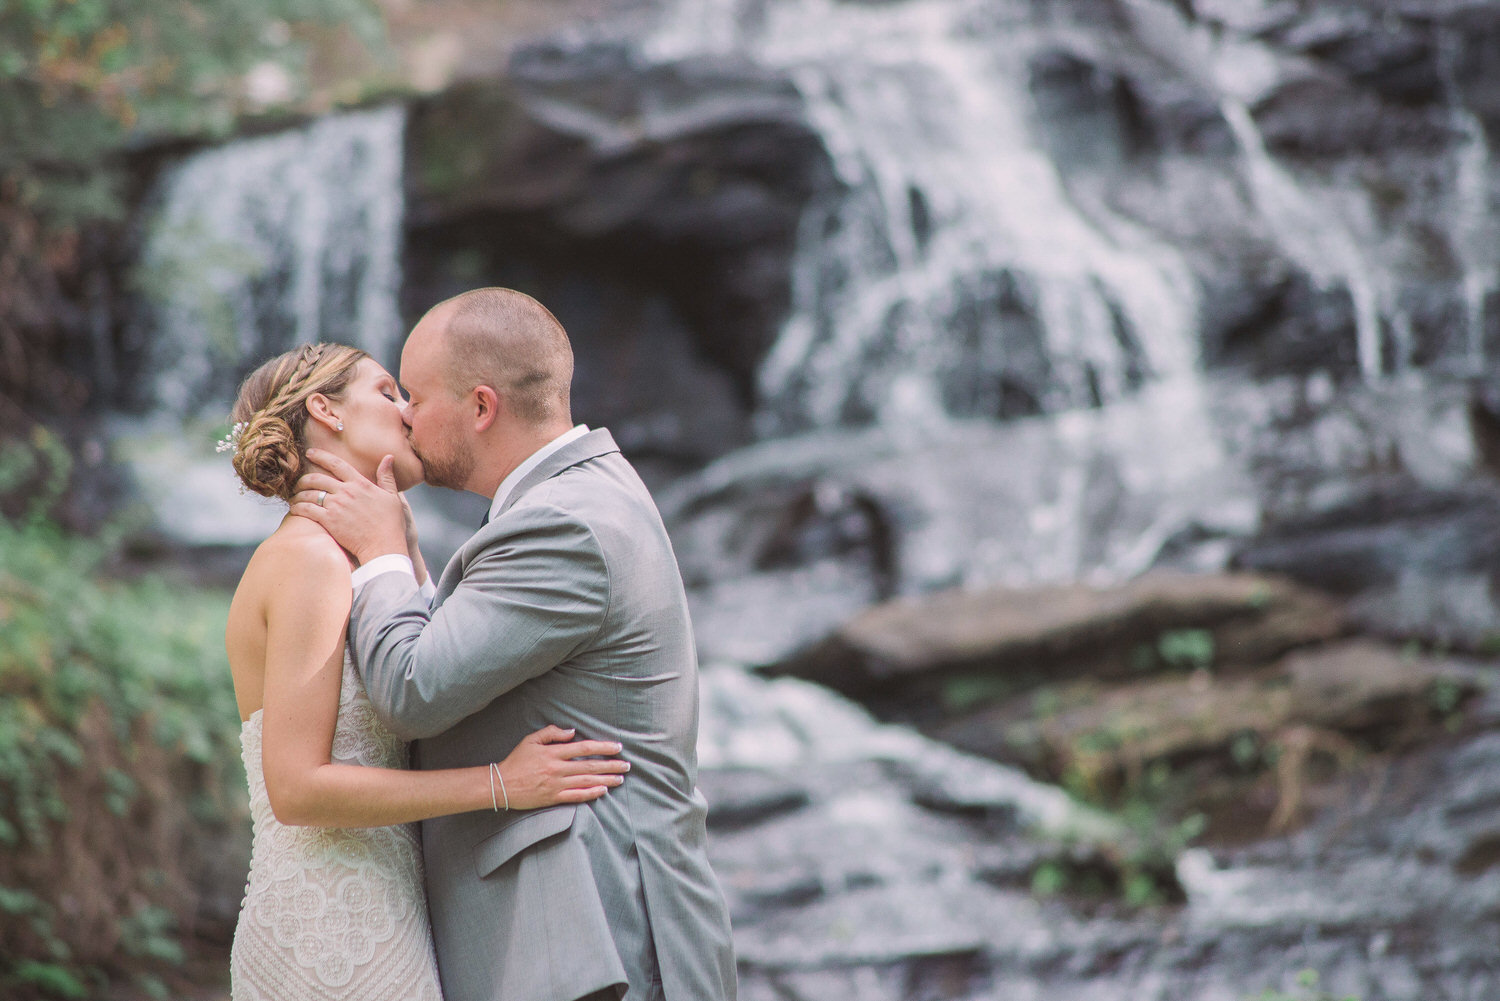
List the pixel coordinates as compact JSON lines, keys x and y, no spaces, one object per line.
{"x":865,"y":862}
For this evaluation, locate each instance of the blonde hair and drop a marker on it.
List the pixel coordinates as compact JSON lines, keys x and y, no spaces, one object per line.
{"x":271,"y":453}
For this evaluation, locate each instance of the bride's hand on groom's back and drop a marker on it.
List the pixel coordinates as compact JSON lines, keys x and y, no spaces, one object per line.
{"x":549,"y":767}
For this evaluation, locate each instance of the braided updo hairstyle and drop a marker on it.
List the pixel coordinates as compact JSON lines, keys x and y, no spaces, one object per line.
{"x":272,"y":404}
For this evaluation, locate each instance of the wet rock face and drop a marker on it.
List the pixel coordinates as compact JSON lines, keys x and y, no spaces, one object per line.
{"x":654,"y":206}
{"x":1323,"y":173}
{"x":1238,"y":681}
{"x":1375,"y":538}
{"x":1416,"y":562}
{"x":1322,"y":164}
{"x":1250,"y":741}
{"x":861,"y":861}
{"x":670,"y":200}
{"x":783,"y":543}
{"x":1273,"y":320}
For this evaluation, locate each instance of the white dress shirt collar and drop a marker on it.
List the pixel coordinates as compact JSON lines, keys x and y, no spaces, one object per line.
{"x":536,"y":458}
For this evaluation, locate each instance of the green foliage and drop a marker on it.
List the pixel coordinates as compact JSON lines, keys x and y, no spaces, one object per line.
{"x":50,"y":979}
{"x":968,"y":691}
{"x":33,"y":474}
{"x":86,"y":86}
{"x":1246,"y":751}
{"x":1180,"y":649}
{"x":118,"y":759}
{"x":1306,"y":990}
{"x":1157,"y":836}
{"x":1138,"y":865}
{"x":1050,"y":878}
{"x":1445,"y":695}
{"x":1186,"y":648}
{"x":83,"y":79}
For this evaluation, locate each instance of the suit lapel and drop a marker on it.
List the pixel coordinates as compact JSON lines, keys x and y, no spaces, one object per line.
{"x":590,"y":446}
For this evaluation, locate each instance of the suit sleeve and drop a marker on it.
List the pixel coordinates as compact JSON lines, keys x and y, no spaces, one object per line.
{"x":527,"y":602}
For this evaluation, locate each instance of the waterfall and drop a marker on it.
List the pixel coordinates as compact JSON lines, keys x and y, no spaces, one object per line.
{"x":249,"y":249}
{"x":1317,"y":238}
{"x":954,"y":279}
{"x":1315,"y":229}
{"x":1476,"y":227}
{"x":265,"y":243}
{"x":1337,"y":226}
{"x":953,"y":276}
{"x":1476,"y":236}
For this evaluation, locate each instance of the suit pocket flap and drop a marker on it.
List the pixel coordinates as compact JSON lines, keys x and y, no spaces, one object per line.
{"x":521,"y":833}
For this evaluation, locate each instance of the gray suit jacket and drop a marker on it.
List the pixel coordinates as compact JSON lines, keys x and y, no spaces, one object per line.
{"x":566,"y":608}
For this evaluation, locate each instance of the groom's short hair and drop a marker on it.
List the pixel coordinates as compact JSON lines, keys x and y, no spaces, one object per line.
{"x":506,"y":340}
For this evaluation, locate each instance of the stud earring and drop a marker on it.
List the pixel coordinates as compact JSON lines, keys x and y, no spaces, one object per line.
{"x":340,"y":427}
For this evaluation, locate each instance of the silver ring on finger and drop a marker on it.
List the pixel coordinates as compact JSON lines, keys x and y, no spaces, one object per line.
{"x":322,"y":496}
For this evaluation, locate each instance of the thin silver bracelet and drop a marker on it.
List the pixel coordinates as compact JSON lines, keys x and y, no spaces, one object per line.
{"x":495,"y":774}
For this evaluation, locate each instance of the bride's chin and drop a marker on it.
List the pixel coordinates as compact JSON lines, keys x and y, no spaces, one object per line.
{"x":408,"y":477}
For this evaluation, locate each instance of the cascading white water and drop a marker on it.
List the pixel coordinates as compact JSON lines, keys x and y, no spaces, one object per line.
{"x":1476,"y":232}
{"x":1331,"y":226}
{"x":252,"y":248}
{"x":1315,"y":236}
{"x":951,"y":208}
{"x":1477,"y":235}
{"x":270,"y":242}
{"x":955,"y":252}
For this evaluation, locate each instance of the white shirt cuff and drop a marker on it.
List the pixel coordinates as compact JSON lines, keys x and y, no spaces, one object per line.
{"x":388,"y":563}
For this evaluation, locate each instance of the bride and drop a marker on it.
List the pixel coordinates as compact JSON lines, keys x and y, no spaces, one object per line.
{"x":334,"y":907}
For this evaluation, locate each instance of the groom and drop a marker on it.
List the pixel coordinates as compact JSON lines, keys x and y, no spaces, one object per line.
{"x":566,"y":607}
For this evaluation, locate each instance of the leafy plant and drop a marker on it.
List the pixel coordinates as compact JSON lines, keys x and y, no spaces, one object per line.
{"x":1181,"y":649}
{"x":969,"y":691}
{"x":1306,"y":990}
{"x":83,"y":79}
{"x":118,"y":763}
{"x":1137,"y":866}
{"x":87,"y":85}
{"x":1186,"y":648}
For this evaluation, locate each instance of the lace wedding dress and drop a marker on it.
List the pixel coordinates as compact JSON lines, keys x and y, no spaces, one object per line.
{"x":333,"y":914}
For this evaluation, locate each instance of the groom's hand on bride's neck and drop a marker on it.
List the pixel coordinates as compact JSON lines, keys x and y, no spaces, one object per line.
{"x":365,"y":517}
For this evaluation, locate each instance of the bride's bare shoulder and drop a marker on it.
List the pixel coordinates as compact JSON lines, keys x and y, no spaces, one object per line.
{"x":303,"y":547}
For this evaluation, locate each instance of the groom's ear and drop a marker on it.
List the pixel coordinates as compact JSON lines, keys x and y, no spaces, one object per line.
{"x":486,"y":404}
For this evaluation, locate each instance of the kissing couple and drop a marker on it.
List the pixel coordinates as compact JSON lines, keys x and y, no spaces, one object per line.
{"x":556,"y":640}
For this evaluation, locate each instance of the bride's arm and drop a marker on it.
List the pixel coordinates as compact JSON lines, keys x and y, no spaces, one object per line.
{"x":305,"y":620}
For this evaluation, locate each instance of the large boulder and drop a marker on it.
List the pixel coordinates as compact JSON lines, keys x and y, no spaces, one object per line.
{"x":911,"y":648}
{"x":1339,"y":698}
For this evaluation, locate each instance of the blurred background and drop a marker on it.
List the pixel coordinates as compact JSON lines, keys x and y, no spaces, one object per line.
{"x":1076,"y":420}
